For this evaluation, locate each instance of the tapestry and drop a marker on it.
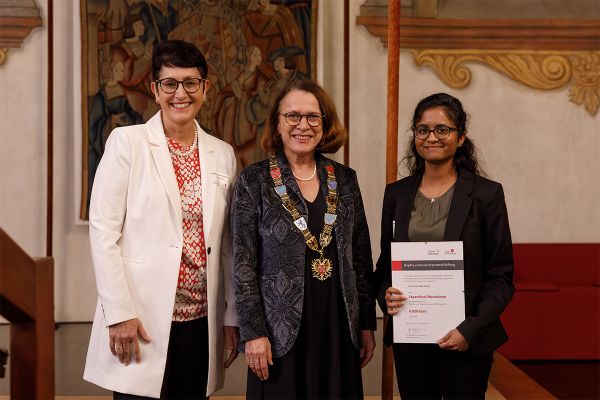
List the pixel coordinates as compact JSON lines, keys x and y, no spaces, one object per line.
{"x":253,"y":49}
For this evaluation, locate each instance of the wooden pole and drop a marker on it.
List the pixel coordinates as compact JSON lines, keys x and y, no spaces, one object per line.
{"x":347,"y":79}
{"x":387,"y":384}
{"x":50,"y":136}
{"x":393,"y":90}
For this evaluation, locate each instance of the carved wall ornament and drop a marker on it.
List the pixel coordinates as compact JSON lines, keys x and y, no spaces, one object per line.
{"x":586,"y":89}
{"x":544,"y":70}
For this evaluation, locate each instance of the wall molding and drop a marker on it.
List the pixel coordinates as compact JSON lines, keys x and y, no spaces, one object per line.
{"x":489,"y":34}
{"x":543,"y":70}
{"x":16,"y":22}
{"x":541,"y":54}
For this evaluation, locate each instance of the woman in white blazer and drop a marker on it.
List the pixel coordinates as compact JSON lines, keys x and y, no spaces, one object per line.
{"x":160,"y":243}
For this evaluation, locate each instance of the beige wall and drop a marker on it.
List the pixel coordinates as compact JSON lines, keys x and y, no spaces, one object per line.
{"x":76,"y":288}
{"x":541,"y":147}
{"x":23,"y":142}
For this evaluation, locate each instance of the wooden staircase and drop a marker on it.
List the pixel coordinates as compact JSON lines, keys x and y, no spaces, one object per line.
{"x":27,"y":302}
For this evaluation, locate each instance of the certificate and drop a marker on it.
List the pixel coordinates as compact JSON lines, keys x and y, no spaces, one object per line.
{"x":431,"y":275}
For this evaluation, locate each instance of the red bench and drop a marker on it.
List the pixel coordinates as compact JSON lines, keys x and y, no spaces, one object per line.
{"x":555,"y":313}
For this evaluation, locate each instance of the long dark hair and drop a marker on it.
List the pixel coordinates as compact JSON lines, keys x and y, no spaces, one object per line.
{"x":466,"y":154}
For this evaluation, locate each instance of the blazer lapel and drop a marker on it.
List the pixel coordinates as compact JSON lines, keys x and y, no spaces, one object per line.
{"x":460,"y":206}
{"x":404,"y":208}
{"x":209,"y":179}
{"x":163,"y":162}
{"x":322,"y":174}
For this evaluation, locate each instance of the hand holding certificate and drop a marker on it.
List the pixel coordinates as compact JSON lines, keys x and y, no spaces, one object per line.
{"x":431,"y":276}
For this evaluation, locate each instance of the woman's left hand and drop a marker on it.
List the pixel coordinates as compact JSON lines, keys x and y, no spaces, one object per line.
{"x":368,"y":347}
{"x":232,"y":338}
{"x":453,"y":340}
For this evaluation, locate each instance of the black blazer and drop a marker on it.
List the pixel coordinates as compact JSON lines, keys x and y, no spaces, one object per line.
{"x":478,"y":217}
{"x":269,"y":255}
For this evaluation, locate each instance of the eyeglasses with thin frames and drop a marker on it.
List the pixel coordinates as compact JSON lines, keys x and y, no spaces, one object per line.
{"x":441,"y":132}
{"x":170,"y":85}
{"x":294,"y":119}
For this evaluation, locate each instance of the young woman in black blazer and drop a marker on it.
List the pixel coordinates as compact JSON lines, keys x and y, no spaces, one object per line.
{"x":446,"y":198}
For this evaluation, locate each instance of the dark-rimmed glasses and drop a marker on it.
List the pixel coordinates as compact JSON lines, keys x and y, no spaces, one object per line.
{"x":294,"y":118}
{"x":441,"y":132}
{"x":170,"y":85}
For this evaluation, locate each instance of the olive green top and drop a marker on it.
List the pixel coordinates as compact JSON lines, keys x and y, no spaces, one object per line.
{"x":428,"y":218}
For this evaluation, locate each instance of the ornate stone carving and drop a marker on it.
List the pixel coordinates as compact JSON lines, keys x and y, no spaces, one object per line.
{"x":586,"y":89}
{"x":545,"y":70}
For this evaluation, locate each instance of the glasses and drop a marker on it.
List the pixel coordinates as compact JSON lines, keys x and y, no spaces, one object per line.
{"x":294,"y":118}
{"x":170,"y":85}
{"x":441,"y":132}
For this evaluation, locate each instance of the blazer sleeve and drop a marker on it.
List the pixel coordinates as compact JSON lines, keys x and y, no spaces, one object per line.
{"x":383,"y":271}
{"x":108,"y":206}
{"x":244,"y":226}
{"x":230,"y":318}
{"x":498,"y":288}
{"x":363,"y":262}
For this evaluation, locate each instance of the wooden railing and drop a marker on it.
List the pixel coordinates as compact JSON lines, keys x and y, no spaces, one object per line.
{"x":514,"y":384}
{"x":27,"y":302}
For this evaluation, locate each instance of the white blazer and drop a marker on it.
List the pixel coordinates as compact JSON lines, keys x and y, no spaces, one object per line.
{"x":136,"y":243}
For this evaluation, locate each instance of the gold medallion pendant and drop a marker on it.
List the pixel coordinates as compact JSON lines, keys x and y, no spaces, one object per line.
{"x":321,"y":268}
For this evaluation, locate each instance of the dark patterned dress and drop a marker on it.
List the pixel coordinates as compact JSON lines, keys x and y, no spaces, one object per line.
{"x":323,"y":363}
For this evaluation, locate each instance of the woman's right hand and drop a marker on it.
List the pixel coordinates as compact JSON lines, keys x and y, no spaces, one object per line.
{"x":394,"y":299}
{"x":259,"y":357}
{"x":124,"y":339}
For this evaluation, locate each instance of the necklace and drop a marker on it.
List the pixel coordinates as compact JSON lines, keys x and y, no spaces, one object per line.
{"x":437,"y":195}
{"x":190,"y":150}
{"x":432,"y":199}
{"x":309,"y":178}
{"x":321,"y":267}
